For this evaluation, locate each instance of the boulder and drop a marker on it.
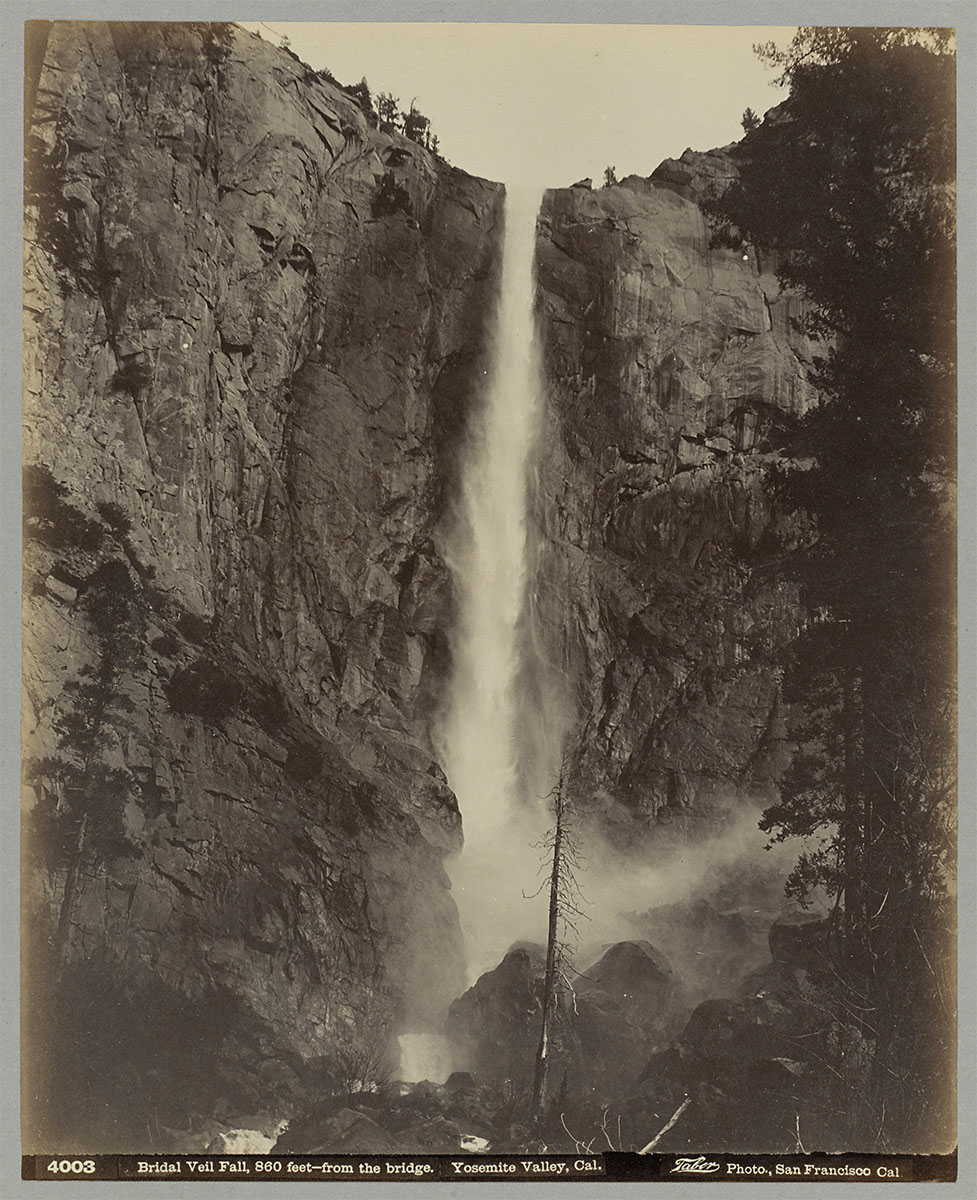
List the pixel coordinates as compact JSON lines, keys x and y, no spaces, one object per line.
{"x":342,"y":1131}
{"x":495,"y":1024}
{"x":622,"y":1008}
{"x":459,"y":1081}
{"x":634,"y":974}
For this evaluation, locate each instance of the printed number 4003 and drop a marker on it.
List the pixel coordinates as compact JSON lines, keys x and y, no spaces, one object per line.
{"x":72,"y":1166}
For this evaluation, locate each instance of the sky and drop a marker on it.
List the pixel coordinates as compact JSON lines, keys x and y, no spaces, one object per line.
{"x":550,"y":104}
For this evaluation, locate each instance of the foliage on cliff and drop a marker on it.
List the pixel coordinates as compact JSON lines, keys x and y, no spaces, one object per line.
{"x":854,"y":174}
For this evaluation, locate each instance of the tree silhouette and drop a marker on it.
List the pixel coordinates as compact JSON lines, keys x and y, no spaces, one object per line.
{"x":848,"y":185}
{"x":81,"y":816}
{"x":417,"y":127}
{"x":388,"y":109}
{"x":563,"y":856}
{"x":361,"y":93}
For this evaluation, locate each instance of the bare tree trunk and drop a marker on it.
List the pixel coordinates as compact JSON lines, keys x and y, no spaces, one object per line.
{"x":549,"y":978}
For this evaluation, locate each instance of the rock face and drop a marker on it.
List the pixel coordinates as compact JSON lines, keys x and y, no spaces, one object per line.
{"x":672,"y":369}
{"x":254,"y":323}
{"x":603,"y":1029}
{"x":495,"y":1024}
{"x":623,"y":1007}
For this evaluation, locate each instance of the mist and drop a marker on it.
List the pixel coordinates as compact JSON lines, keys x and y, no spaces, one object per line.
{"x":735,"y":868}
{"x":502,"y":737}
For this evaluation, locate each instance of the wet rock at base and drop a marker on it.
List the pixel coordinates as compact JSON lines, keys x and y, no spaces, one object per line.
{"x":622,"y":1006}
{"x":495,"y":1024}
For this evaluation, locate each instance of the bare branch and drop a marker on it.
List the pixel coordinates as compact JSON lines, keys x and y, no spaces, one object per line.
{"x":665,"y":1128}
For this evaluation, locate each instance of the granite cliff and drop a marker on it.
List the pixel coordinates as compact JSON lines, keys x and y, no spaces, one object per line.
{"x":256,"y":323}
{"x":673,"y":367}
{"x":253,"y":322}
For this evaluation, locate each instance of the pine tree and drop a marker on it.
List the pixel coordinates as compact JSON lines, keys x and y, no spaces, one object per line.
{"x":81,"y":816}
{"x":417,"y":127}
{"x":388,"y":109}
{"x":849,"y":184}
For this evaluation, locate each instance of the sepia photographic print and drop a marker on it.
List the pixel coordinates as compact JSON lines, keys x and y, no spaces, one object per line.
{"x":489,"y":602}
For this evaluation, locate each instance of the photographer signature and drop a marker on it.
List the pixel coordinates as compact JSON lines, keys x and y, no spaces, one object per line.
{"x":694,"y":1166}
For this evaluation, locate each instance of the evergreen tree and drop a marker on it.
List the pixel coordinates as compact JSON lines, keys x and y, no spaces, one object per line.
{"x":388,"y":109}
{"x":417,"y":127}
{"x":849,"y":184}
{"x":80,"y":814}
{"x":361,"y":93}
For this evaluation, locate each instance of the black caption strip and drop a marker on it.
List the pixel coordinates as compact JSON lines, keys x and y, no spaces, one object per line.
{"x":613,"y":1168}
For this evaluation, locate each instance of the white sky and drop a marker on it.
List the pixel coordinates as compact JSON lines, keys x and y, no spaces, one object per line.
{"x":550,"y":104}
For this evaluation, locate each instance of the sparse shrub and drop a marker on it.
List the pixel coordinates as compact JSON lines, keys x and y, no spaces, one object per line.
{"x":154,"y":598}
{"x":388,"y":111}
{"x":166,"y":645}
{"x":145,"y":571}
{"x":43,"y":494}
{"x":391,"y":197}
{"x":194,"y":628}
{"x":204,"y":689}
{"x":417,"y":127}
{"x":361,"y":94}
{"x":363,"y":1066}
{"x":50,"y":517}
{"x":265,"y":702}
{"x":109,"y":594}
{"x":44,"y":184}
{"x":116,"y":518}
{"x":132,"y":376}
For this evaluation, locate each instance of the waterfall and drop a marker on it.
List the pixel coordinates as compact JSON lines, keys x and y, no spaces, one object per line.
{"x":489,"y":554}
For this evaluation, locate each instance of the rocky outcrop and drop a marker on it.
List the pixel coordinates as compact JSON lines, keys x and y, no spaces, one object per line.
{"x":494,"y":1025}
{"x":757,"y":1066}
{"x":712,"y":951}
{"x":623,"y":1005}
{"x":607,"y":1018}
{"x":254,"y":322}
{"x":673,"y":367}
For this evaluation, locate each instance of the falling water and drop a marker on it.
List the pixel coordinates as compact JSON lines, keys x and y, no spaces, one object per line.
{"x":489,"y":557}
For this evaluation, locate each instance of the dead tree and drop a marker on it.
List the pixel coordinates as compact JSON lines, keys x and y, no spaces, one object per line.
{"x":564,"y":909}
